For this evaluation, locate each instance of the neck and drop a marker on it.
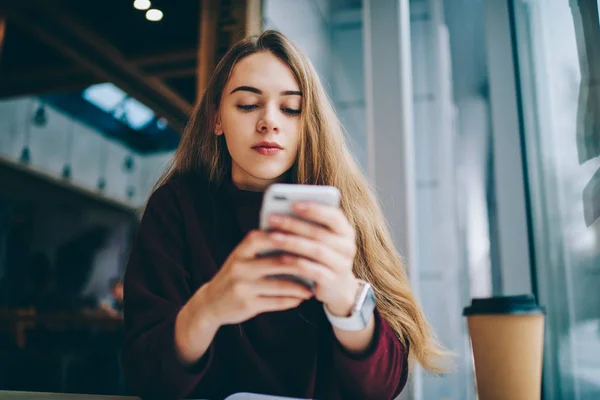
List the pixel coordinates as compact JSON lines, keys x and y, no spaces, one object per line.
{"x":253,"y":184}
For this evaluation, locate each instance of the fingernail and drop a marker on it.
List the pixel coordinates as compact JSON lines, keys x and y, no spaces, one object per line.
{"x":275,"y":219}
{"x":301,"y":206}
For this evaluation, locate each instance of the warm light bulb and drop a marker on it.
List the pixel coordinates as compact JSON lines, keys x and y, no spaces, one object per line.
{"x":141,"y":4}
{"x":154,"y":15}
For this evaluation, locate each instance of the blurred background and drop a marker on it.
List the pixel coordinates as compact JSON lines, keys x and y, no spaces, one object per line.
{"x":477,"y":122}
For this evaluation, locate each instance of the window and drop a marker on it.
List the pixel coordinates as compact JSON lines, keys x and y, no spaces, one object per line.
{"x":558,"y":49}
{"x":116,"y":102}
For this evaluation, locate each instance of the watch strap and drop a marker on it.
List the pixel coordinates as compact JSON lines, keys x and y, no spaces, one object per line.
{"x":362,"y":311}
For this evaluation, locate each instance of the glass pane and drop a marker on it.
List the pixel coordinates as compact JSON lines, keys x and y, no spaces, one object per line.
{"x":450,"y":138}
{"x":558,"y":45}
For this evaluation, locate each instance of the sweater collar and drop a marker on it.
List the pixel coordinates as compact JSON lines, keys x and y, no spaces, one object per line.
{"x":239,"y":197}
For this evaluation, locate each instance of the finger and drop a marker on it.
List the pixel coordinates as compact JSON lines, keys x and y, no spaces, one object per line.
{"x":281,"y":288}
{"x":261,"y":268}
{"x":254,"y":243}
{"x":312,"y":231}
{"x":269,"y":304}
{"x":310,"y":249}
{"x":310,"y":270}
{"x":331,"y":217}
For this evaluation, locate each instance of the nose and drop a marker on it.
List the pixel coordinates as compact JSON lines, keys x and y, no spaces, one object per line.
{"x":268,"y":123}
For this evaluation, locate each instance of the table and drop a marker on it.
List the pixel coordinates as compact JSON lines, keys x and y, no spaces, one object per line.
{"x":10,"y":395}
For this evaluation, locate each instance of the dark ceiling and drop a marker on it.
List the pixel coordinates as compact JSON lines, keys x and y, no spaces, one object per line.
{"x":127,"y":28}
{"x":55,"y":49}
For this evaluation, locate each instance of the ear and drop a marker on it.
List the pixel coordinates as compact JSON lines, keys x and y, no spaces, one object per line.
{"x":217,"y":123}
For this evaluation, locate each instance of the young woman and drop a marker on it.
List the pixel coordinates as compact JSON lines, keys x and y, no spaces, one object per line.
{"x":202,"y":319}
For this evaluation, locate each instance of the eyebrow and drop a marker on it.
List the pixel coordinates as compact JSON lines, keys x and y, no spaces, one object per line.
{"x":258,"y":91}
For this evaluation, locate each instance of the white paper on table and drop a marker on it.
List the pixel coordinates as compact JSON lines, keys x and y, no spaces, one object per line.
{"x":254,"y":396}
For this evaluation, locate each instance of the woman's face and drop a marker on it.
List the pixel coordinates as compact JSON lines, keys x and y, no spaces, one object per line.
{"x":259,"y":115}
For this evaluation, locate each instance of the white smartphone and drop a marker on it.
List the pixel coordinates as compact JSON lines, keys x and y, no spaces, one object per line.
{"x":279,"y":199}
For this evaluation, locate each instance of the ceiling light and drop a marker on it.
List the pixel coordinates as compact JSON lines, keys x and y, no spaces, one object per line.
{"x":161,"y":124}
{"x":141,"y":4}
{"x":154,"y":15}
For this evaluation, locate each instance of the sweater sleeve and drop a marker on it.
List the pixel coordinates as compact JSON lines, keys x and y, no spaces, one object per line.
{"x":381,"y":373}
{"x":156,"y":286}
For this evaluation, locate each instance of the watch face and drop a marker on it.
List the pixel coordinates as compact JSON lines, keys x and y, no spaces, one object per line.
{"x":366,"y":310}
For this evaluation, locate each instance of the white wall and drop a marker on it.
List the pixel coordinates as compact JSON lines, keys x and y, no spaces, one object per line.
{"x":469,"y":73}
{"x":92,"y":155}
{"x":332,"y":40}
{"x":347,"y":80}
{"x":306,"y":24}
{"x":440,"y":262}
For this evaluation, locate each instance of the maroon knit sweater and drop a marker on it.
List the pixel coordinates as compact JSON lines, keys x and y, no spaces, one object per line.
{"x":187,"y":231}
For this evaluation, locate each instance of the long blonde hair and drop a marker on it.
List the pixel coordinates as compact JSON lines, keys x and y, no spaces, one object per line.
{"x":323,"y":159}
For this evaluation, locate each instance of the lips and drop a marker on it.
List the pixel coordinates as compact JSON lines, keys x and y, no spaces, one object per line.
{"x":267,"y":148}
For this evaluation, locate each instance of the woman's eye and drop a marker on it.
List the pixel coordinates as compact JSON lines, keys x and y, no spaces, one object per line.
{"x":249,"y":107}
{"x":291,"y":111}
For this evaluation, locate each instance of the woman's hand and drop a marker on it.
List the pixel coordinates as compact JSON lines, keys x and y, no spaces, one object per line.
{"x":239,"y":291}
{"x":242,"y":289}
{"x":324,"y":253}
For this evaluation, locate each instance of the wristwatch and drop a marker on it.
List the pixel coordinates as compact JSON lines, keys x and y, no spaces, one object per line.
{"x":362,"y":311}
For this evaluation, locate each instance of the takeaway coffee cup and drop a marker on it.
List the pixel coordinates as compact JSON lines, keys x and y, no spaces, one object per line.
{"x":507,"y":337}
